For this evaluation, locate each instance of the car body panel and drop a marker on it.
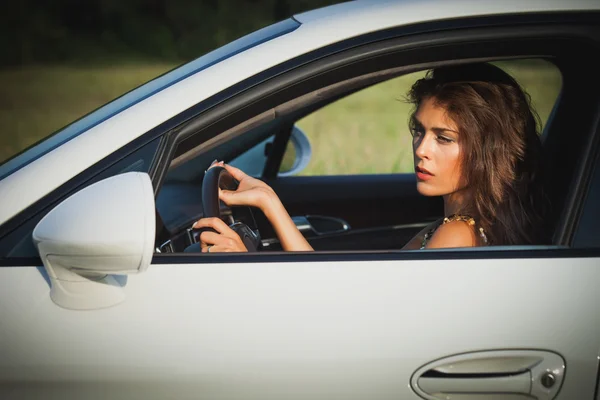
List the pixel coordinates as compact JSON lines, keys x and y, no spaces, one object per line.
{"x":297,"y":329}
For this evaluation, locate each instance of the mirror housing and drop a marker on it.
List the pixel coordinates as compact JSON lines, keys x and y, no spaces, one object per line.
{"x":303,"y":150}
{"x":252,"y":162}
{"x":105,"y":229}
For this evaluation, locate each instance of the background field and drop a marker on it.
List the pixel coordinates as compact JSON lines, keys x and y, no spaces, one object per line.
{"x":362,"y":133}
{"x":38,"y":100}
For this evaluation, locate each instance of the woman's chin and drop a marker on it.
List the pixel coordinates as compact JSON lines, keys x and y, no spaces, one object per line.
{"x":426,"y":189}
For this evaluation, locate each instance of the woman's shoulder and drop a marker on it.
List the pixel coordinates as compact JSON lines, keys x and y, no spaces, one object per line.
{"x":416,"y":242}
{"x":454,"y":233}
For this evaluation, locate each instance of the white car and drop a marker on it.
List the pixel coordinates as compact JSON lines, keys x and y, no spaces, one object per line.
{"x":100,"y":300}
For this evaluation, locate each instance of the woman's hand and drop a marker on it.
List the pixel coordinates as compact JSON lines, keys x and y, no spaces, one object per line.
{"x":225,"y":240}
{"x":250,"y":192}
{"x":255,"y":193}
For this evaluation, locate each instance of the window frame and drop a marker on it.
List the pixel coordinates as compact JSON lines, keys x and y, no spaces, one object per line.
{"x":286,"y":87}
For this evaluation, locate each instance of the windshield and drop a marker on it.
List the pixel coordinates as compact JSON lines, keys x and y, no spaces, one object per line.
{"x":137,"y":95}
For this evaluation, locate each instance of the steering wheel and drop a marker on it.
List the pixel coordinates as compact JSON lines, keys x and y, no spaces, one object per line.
{"x":219,"y":177}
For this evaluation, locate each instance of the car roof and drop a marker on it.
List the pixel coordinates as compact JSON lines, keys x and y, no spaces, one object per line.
{"x":346,"y":20}
{"x":361,"y":15}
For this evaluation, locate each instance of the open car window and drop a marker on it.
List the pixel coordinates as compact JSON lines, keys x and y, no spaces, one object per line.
{"x":346,"y":207}
{"x":364,"y":132}
{"x":367,"y":131}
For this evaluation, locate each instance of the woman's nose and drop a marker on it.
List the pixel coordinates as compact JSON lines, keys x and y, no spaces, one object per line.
{"x":422,"y":147}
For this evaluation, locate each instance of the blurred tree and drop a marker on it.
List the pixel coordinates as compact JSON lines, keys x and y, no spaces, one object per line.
{"x":39,"y":31}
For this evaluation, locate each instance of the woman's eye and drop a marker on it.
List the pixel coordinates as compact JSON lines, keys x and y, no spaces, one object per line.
{"x":443,"y":139}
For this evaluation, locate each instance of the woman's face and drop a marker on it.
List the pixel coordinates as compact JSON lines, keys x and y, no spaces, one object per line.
{"x":436,"y":149}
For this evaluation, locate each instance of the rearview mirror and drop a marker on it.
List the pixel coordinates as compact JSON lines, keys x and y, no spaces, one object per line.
{"x":105,"y":230}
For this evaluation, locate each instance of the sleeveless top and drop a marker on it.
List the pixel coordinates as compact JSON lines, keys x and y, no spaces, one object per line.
{"x":453,"y":217}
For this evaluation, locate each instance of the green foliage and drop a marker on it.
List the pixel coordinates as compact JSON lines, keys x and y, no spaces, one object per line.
{"x":289,"y":158}
{"x":36,"y":31}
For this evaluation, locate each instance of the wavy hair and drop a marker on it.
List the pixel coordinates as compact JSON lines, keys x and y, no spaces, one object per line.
{"x":500,"y":148}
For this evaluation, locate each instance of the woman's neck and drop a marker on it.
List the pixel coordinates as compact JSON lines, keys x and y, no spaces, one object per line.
{"x":455,"y":203}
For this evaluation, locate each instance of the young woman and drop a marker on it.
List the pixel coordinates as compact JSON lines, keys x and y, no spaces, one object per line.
{"x":475,"y":144}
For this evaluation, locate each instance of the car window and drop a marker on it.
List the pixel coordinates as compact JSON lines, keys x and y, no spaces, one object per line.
{"x":19,"y":243}
{"x":367,"y":131}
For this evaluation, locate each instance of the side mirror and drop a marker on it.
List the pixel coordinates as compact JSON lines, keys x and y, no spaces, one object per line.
{"x":106,"y":229}
{"x":295,"y":159}
{"x":297,"y":154}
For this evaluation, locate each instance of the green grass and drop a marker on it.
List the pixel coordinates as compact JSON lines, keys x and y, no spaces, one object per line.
{"x":363,"y":133}
{"x":37,"y":101}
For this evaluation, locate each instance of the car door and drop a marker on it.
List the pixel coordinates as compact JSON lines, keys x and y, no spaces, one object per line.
{"x":515,"y":322}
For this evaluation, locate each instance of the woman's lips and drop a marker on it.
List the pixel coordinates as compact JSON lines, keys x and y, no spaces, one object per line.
{"x":423,"y":174}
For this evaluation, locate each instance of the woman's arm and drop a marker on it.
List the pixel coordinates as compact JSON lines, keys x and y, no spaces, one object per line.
{"x":290,"y":237}
{"x":255,"y":193}
{"x":415,"y":242}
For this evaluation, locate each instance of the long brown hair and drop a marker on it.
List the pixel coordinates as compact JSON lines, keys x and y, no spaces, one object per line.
{"x":500,"y":148}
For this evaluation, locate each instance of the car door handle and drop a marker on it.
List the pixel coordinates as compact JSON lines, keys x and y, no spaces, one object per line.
{"x":477,"y":383}
{"x":510,"y":374}
{"x":320,"y":225}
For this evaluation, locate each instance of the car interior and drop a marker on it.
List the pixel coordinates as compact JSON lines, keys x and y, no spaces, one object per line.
{"x":357,"y":212}
{"x":329,"y":224}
